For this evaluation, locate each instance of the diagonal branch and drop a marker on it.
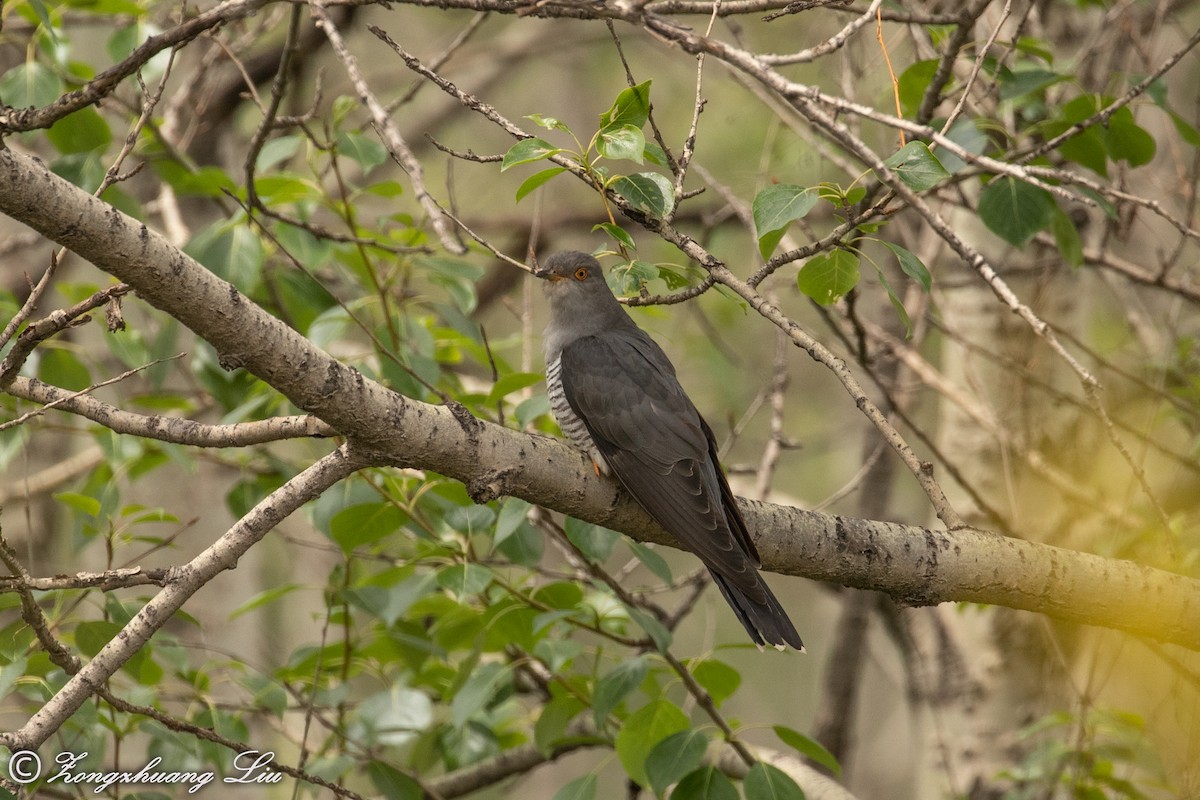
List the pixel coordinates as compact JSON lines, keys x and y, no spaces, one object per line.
{"x":915,"y":565}
{"x":182,"y":583}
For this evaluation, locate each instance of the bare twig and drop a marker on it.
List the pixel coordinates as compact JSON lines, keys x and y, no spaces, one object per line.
{"x":15,"y":120}
{"x":182,"y":583}
{"x":387,"y":129}
{"x":58,"y":321}
{"x":68,"y":397}
{"x":170,"y":429}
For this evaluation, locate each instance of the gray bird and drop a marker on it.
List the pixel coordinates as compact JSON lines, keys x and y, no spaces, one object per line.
{"x":615,"y":396}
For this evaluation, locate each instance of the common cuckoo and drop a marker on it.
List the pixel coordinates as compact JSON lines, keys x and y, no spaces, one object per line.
{"x":615,"y":396}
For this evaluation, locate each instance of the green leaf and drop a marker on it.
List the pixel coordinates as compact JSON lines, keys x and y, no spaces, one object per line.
{"x":775,"y":208}
{"x":61,"y":368}
{"x":642,"y":731}
{"x":535,"y":180}
{"x":527,"y":151}
{"x":1018,"y":83}
{"x":718,"y":679}
{"x":659,"y":633}
{"x":277,"y":151}
{"x":646,"y":191}
{"x":624,"y":142}
{"x":388,"y":600}
{"x":206,"y":181}
{"x":1066,"y":236}
{"x":632,"y":107}
{"x":674,"y":757}
{"x":617,"y":233}
{"x":394,"y":716}
{"x":896,"y":302}
{"x":386,"y":189}
{"x":582,"y":788}
{"x":1015,"y":210}
{"x":512,"y":382}
{"x":1127,"y":141}
{"x":264,"y":598}
{"x":29,"y":84}
{"x":512,"y":515}
{"x":912,"y":266}
{"x":551,"y":727}
{"x":912,"y":83}
{"x":392,"y":783}
{"x":81,"y":132}
{"x":524,"y":547}
{"x":1038,"y":48}
{"x":829,"y":276}
{"x":1085,"y":148}
{"x":365,"y":151}
{"x":549,"y":123}
{"x":706,"y":783}
{"x":560,"y":594}
{"x":1186,"y":130}
{"x":765,"y":782}
{"x":629,"y":278}
{"x":615,"y":686}
{"x":595,"y":542}
{"x":967,"y":134}
{"x":125,"y":40}
{"x":83,"y":503}
{"x":655,"y":154}
{"x":282,"y":188}
{"x":651,"y":559}
{"x":91,"y":636}
{"x":465,"y":580}
{"x":364,"y":524}
{"x":233,"y":253}
{"x":85,"y":170}
{"x":809,"y":748}
{"x":917,"y":167}
{"x":480,"y":687}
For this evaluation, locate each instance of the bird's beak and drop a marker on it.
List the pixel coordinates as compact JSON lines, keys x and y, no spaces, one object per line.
{"x":541,"y":272}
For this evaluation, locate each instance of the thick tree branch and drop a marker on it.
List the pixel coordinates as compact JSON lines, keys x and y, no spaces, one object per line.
{"x":914,"y":565}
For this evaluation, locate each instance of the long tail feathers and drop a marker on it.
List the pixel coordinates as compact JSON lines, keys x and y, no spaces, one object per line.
{"x":767,"y":623}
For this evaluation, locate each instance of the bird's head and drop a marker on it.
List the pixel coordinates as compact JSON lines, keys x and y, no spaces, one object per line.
{"x":575,"y":280}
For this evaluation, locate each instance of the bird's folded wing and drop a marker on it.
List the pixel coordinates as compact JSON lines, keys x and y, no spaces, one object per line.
{"x":624,"y":389}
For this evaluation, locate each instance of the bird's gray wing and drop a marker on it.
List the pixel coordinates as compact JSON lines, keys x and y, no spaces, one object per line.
{"x":624,"y":388}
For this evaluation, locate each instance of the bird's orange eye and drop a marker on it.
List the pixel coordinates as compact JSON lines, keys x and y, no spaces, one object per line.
{"x":581,"y":274}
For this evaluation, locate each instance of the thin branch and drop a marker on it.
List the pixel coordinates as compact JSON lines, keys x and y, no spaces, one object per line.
{"x":105,"y":581}
{"x":271,"y":112}
{"x":926,"y":113}
{"x":387,"y":129}
{"x":1102,"y":116}
{"x":183,"y":582}
{"x":175,"y":430}
{"x":963,"y":33}
{"x":58,"y":321}
{"x":28,"y":119}
{"x":31,"y":302}
{"x":69,"y":396}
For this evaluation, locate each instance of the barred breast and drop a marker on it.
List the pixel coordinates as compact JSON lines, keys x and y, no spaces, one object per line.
{"x":572,"y":426}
